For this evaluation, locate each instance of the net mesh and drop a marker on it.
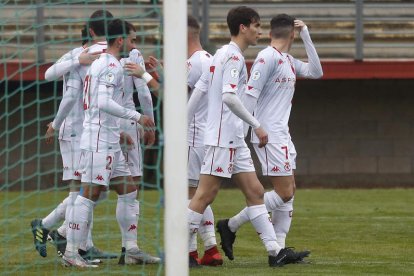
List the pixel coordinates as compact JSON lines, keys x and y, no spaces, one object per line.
{"x":34,"y":34}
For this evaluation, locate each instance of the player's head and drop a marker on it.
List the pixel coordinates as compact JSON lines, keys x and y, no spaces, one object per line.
{"x":282,"y":26}
{"x":84,"y":35}
{"x":193,"y":28}
{"x":246,"y":21}
{"x":121,"y":35}
{"x":97,"y":23}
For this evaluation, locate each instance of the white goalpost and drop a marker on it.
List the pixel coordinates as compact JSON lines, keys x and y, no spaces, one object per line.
{"x":175,"y":137}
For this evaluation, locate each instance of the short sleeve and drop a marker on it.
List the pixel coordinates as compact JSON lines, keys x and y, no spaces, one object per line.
{"x":231,"y":73}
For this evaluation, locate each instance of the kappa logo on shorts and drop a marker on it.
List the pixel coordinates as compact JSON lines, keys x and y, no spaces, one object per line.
{"x":275,"y":169}
{"x":99,"y":177}
{"x":132,"y":227}
{"x":76,"y":173}
{"x":219,"y":170}
{"x":287,"y":166}
{"x":208,"y":223}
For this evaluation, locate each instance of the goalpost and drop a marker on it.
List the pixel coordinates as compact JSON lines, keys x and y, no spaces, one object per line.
{"x":175,"y":138}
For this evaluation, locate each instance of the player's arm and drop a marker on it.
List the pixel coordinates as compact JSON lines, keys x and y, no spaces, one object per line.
{"x":231,"y":73}
{"x":68,"y":62}
{"x":108,"y":105}
{"x":135,"y":70}
{"x":200,"y":88}
{"x":313,"y":68}
{"x":74,"y":88}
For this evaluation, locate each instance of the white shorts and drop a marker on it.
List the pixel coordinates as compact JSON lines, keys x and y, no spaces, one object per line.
{"x":195,"y":159}
{"x":70,"y":151}
{"x":133,"y":156}
{"x":225,"y":162}
{"x":275,"y":159}
{"x":101,"y":167}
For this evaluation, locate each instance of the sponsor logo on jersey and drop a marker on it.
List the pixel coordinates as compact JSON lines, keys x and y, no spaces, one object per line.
{"x":110,"y":77}
{"x":219,"y":170}
{"x":275,"y":169}
{"x":280,"y":61}
{"x":261,"y":60}
{"x":112,"y":65}
{"x":285,"y":79}
{"x":287,"y":166}
{"x":256,"y":75}
{"x":99,"y":177}
{"x":208,"y":223}
{"x":234,"y":73}
{"x":132,"y":227}
{"x":235,"y":58}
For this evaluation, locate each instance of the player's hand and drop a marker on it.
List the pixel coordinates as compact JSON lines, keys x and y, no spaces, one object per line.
{"x":146,"y":122}
{"x":134,"y":69}
{"x":153,"y":63}
{"x":86,"y":58}
{"x":126,"y":139}
{"x":149,"y":138}
{"x":50,"y":133}
{"x":299,"y":24}
{"x":262,"y":135}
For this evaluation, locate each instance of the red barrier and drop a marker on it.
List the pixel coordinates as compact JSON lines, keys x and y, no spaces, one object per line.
{"x":333,"y":69}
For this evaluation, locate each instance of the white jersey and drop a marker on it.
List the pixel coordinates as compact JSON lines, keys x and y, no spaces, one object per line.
{"x":71,"y":127}
{"x":197,"y":64}
{"x":228,"y":74}
{"x":101,"y":130}
{"x":272,"y":81}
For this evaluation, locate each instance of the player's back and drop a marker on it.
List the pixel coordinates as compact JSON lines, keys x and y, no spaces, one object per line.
{"x":273,"y":72}
{"x":198,"y":64}
{"x":227,"y":73}
{"x":101,"y":130}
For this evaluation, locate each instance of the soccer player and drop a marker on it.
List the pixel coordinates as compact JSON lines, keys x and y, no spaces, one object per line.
{"x":269,"y":96}
{"x":101,"y":161}
{"x":72,"y":66}
{"x":227,"y":155}
{"x":133,"y":154}
{"x":198,"y":63}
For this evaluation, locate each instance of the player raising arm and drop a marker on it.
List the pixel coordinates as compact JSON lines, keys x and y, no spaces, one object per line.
{"x":269,"y":95}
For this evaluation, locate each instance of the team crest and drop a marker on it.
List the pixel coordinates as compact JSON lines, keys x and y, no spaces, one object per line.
{"x":234,"y":73}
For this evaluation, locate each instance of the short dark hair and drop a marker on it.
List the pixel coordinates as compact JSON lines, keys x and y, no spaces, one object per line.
{"x":117,"y":28}
{"x":98,"y":21}
{"x":192,"y":23}
{"x":281,"y":26}
{"x":241,"y":15}
{"x":85,"y":35}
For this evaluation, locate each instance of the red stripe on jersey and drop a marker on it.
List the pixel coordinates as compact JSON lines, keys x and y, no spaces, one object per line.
{"x":221,"y":118}
{"x":212,"y":161}
{"x":99,"y":132}
{"x":194,"y":131}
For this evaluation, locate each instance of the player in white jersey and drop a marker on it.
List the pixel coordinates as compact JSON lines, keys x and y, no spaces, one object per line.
{"x":102,"y":162}
{"x":269,"y":96}
{"x":227,"y":155}
{"x":69,"y":122}
{"x":197,"y":63}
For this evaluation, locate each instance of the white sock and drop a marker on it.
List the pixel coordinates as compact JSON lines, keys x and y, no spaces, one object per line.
{"x":62,"y":229}
{"x":194,"y":220}
{"x":272,"y":201}
{"x":78,"y":220}
{"x":193,"y":240}
{"x":281,"y":220}
{"x":57,"y":215}
{"x":261,"y":221}
{"x":89,"y":242}
{"x":127,"y":213}
{"x":238,"y":220}
{"x":72,"y":197}
{"x":206,"y":230}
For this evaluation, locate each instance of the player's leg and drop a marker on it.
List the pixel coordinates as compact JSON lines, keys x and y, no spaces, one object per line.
{"x":206,"y":231}
{"x":41,"y":227}
{"x":96,"y":173}
{"x":127,"y":212}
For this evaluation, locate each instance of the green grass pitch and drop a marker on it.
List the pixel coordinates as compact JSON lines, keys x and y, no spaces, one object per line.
{"x":350,"y":232}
